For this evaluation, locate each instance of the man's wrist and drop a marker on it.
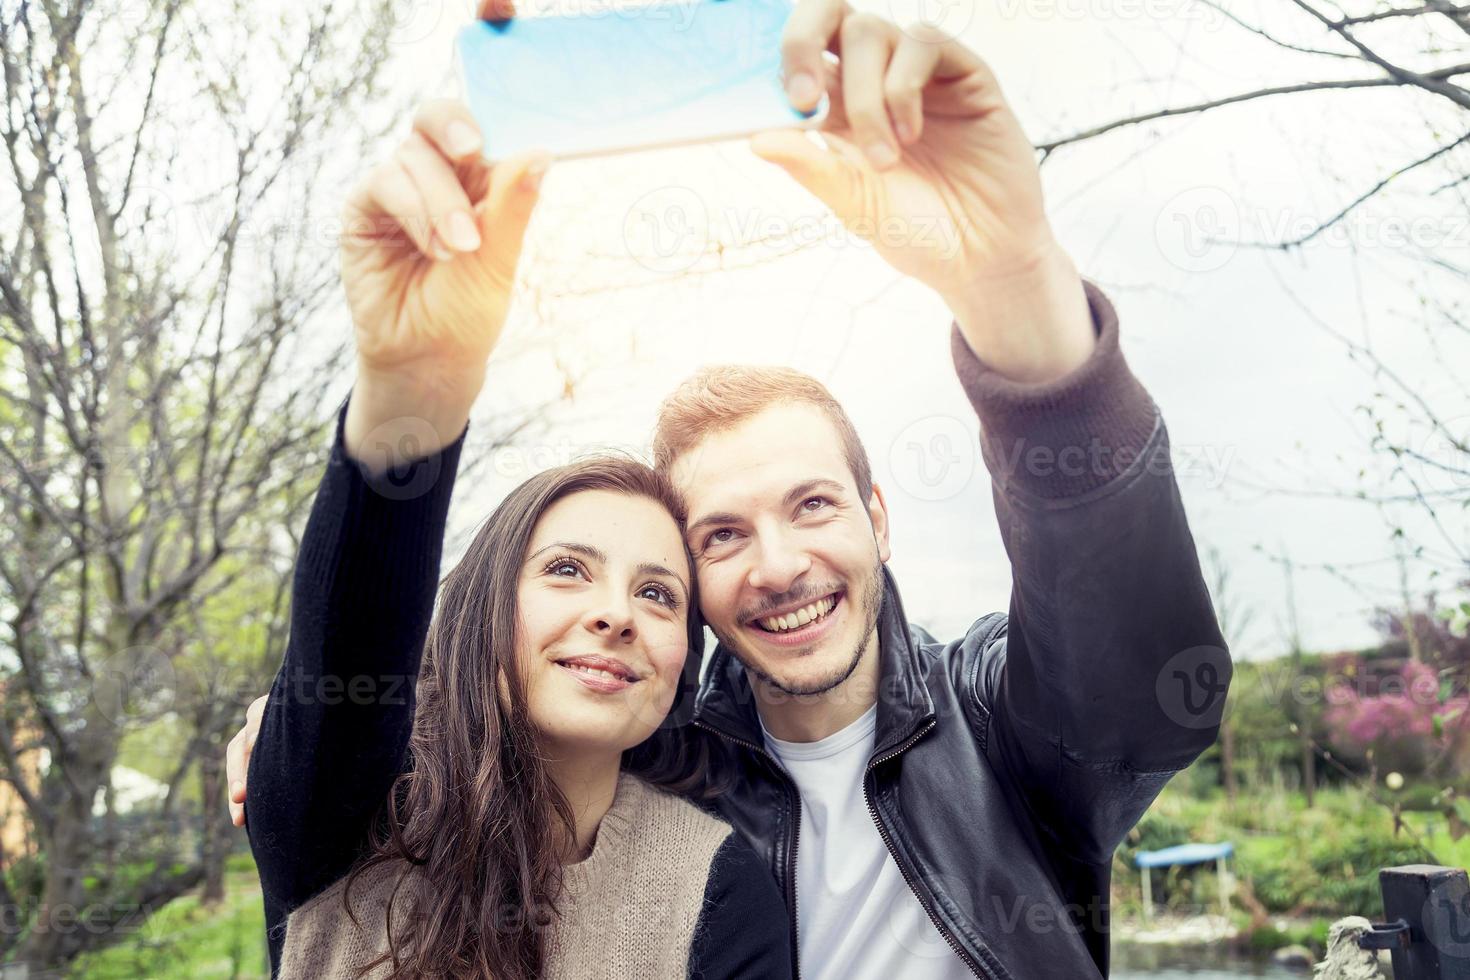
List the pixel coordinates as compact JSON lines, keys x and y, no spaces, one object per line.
{"x":1031,"y":325}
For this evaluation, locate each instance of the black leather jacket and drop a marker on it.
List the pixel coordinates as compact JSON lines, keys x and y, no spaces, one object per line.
{"x":1009,"y":764}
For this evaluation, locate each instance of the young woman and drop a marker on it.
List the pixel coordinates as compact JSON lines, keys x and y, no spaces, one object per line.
{"x":521,"y":742}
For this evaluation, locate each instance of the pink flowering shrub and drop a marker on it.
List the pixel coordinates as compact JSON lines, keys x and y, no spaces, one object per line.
{"x":1409,"y":723}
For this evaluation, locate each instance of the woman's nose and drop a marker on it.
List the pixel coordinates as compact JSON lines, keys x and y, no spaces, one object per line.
{"x":613,"y":621}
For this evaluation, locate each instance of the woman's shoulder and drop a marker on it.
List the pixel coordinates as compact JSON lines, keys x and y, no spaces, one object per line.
{"x":372,"y":887}
{"x":651,"y":801}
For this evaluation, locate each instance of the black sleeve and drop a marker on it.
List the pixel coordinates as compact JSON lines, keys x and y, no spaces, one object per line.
{"x":1112,"y":671}
{"x":336,"y":725}
{"x":743,"y":931}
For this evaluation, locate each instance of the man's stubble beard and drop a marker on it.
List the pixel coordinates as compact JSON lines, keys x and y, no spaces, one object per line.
{"x":871,"y":605}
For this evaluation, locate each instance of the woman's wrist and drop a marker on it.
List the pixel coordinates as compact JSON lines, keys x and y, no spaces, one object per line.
{"x":395,"y":417}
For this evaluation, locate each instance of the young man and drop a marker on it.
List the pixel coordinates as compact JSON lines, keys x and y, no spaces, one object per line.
{"x":931,"y":810}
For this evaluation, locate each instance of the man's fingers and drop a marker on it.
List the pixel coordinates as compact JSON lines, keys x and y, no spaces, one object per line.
{"x":446,"y":205}
{"x":810,"y":29}
{"x":236,"y":766}
{"x":868,"y":43}
{"x":237,"y":758}
{"x":909,"y":72}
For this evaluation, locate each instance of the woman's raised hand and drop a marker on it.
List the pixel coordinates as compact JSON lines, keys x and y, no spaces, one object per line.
{"x":430,"y":243}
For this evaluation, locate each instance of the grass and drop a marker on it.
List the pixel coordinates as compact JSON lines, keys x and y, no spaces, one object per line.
{"x":185,"y":941}
{"x":1321,"y":862}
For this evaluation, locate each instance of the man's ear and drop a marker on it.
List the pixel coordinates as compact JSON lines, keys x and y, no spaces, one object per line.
{"x":878,"y":515}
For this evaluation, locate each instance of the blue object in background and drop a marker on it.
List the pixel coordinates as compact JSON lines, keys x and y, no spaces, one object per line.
{"x":656,"y":75}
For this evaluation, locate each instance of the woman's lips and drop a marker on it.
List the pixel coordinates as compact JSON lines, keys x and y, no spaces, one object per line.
{"x":599,"y":674}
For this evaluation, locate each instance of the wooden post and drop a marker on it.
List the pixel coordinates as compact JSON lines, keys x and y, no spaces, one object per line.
{"x":1148,"y":895}
{"x":1435,"y":902}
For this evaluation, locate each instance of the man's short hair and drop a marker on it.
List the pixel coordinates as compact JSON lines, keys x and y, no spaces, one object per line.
{"x":719,"y":398}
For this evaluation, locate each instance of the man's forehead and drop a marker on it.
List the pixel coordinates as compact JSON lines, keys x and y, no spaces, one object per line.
{"x":763,"y":456}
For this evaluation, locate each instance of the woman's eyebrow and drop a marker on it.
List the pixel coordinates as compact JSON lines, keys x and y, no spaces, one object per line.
{"x":653,"y":568}
{"x":586,"y":550}
{"x":599,"y":556}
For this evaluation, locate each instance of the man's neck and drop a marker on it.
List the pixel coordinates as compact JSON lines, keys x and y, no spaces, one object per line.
{"x":811,"y":718}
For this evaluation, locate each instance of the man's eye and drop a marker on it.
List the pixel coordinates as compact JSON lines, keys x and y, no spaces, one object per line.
{"x":814,"y":503}
{"x":722,"y":536}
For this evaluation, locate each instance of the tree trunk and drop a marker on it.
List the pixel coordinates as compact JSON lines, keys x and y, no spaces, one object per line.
{"x":59,"y":924}
{"x":1309,"y":767}
{"x":215,"y":844}
{"x":1227,"y":759}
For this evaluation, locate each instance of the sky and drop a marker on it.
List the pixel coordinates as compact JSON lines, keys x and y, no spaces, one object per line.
{"x":1244,"y":349}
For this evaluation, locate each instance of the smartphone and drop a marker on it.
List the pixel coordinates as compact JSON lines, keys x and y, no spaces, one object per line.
{"x":611,"y":80}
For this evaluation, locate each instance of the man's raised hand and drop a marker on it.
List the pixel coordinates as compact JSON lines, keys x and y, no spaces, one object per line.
{"x":926,"y":160}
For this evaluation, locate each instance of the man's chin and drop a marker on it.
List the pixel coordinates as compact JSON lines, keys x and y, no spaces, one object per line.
{"x":801,"y":673}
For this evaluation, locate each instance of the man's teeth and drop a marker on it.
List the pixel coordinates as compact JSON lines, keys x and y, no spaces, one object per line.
{"x":595,"y":671}
{"x":791,"y":621}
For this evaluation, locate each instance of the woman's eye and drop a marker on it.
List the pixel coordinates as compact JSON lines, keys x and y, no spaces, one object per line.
{"x":658,"y":593}
{"x":565,"y":569}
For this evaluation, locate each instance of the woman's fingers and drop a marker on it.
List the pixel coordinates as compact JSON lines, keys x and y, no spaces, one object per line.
{"x":505,"y":213}
{"x":448,"y":125}
{"x":385,"y":207}
{"x":447,"y":207}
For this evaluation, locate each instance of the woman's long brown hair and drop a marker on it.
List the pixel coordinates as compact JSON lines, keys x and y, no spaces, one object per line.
{"x":475,"y":810}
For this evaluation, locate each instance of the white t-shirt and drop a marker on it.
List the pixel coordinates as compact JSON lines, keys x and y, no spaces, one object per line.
{"x":856,"y":917}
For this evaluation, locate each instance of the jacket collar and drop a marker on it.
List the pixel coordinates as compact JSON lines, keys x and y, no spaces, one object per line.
{"x":726,"y":703}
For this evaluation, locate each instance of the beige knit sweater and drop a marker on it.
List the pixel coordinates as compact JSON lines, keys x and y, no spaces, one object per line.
{"x":629,"y":911}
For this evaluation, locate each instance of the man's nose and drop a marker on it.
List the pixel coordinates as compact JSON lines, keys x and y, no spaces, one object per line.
{"x":779,"y":564}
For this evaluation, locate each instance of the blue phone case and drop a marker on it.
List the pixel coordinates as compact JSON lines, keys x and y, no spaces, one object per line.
{"x":656,"y":75}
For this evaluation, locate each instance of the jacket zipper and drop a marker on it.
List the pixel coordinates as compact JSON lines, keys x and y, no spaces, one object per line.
{"x":791,"y":853}
{"x":888,"y":842}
